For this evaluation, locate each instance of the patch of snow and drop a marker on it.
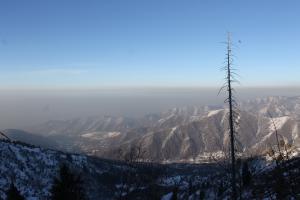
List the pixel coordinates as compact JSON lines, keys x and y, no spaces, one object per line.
{"x":167,"y":196}
{"x":171,"y":181}
{"x":195,"y":118}
{"x":113,"y":134}
{"x":100,"y":135}
{"x":169,"y":136}
{"x":295,"y":132}
{"x":162,"y":120}
{"x":214,"y":112}
{"x":88,"y":135}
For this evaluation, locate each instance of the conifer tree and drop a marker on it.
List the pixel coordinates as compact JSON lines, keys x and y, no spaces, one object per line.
{"x":67,"y":186}
{"x":201,"y":195}
{"x":246,"y":174}
{"x":13,"y":193}
{"x":175,"y":193}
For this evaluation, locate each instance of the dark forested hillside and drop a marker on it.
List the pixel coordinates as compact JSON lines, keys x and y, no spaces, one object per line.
{"x":33,"y":171}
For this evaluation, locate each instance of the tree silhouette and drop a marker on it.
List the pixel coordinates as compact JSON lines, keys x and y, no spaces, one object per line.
{"x":175,"y":193}
{"x":233,"y":115}
{"x":13,"y":193}
{"x":246,"y":174}
{"x":5,"y":136}
{"x":67,"y":186}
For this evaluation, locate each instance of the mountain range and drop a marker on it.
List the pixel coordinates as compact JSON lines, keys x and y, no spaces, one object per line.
{"x":186,"y":134}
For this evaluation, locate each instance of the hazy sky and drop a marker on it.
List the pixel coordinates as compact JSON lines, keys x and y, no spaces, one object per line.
{"x":19,"y":109}
{"x":67,"y":43}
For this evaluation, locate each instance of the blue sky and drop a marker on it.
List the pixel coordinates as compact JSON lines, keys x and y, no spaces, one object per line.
{"x":76,"y":43}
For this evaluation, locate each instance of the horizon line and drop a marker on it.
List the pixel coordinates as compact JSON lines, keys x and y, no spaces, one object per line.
{"x":143,"y":87}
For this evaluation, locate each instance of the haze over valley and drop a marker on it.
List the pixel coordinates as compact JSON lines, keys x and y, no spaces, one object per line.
{"x":22,"y":108}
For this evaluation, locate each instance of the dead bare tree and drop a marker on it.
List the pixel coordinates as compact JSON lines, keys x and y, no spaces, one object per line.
{"x":283,"y":172}
{"x":276,"y":133}
{"x":233,"y":114}
{"x":5,"y":136}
